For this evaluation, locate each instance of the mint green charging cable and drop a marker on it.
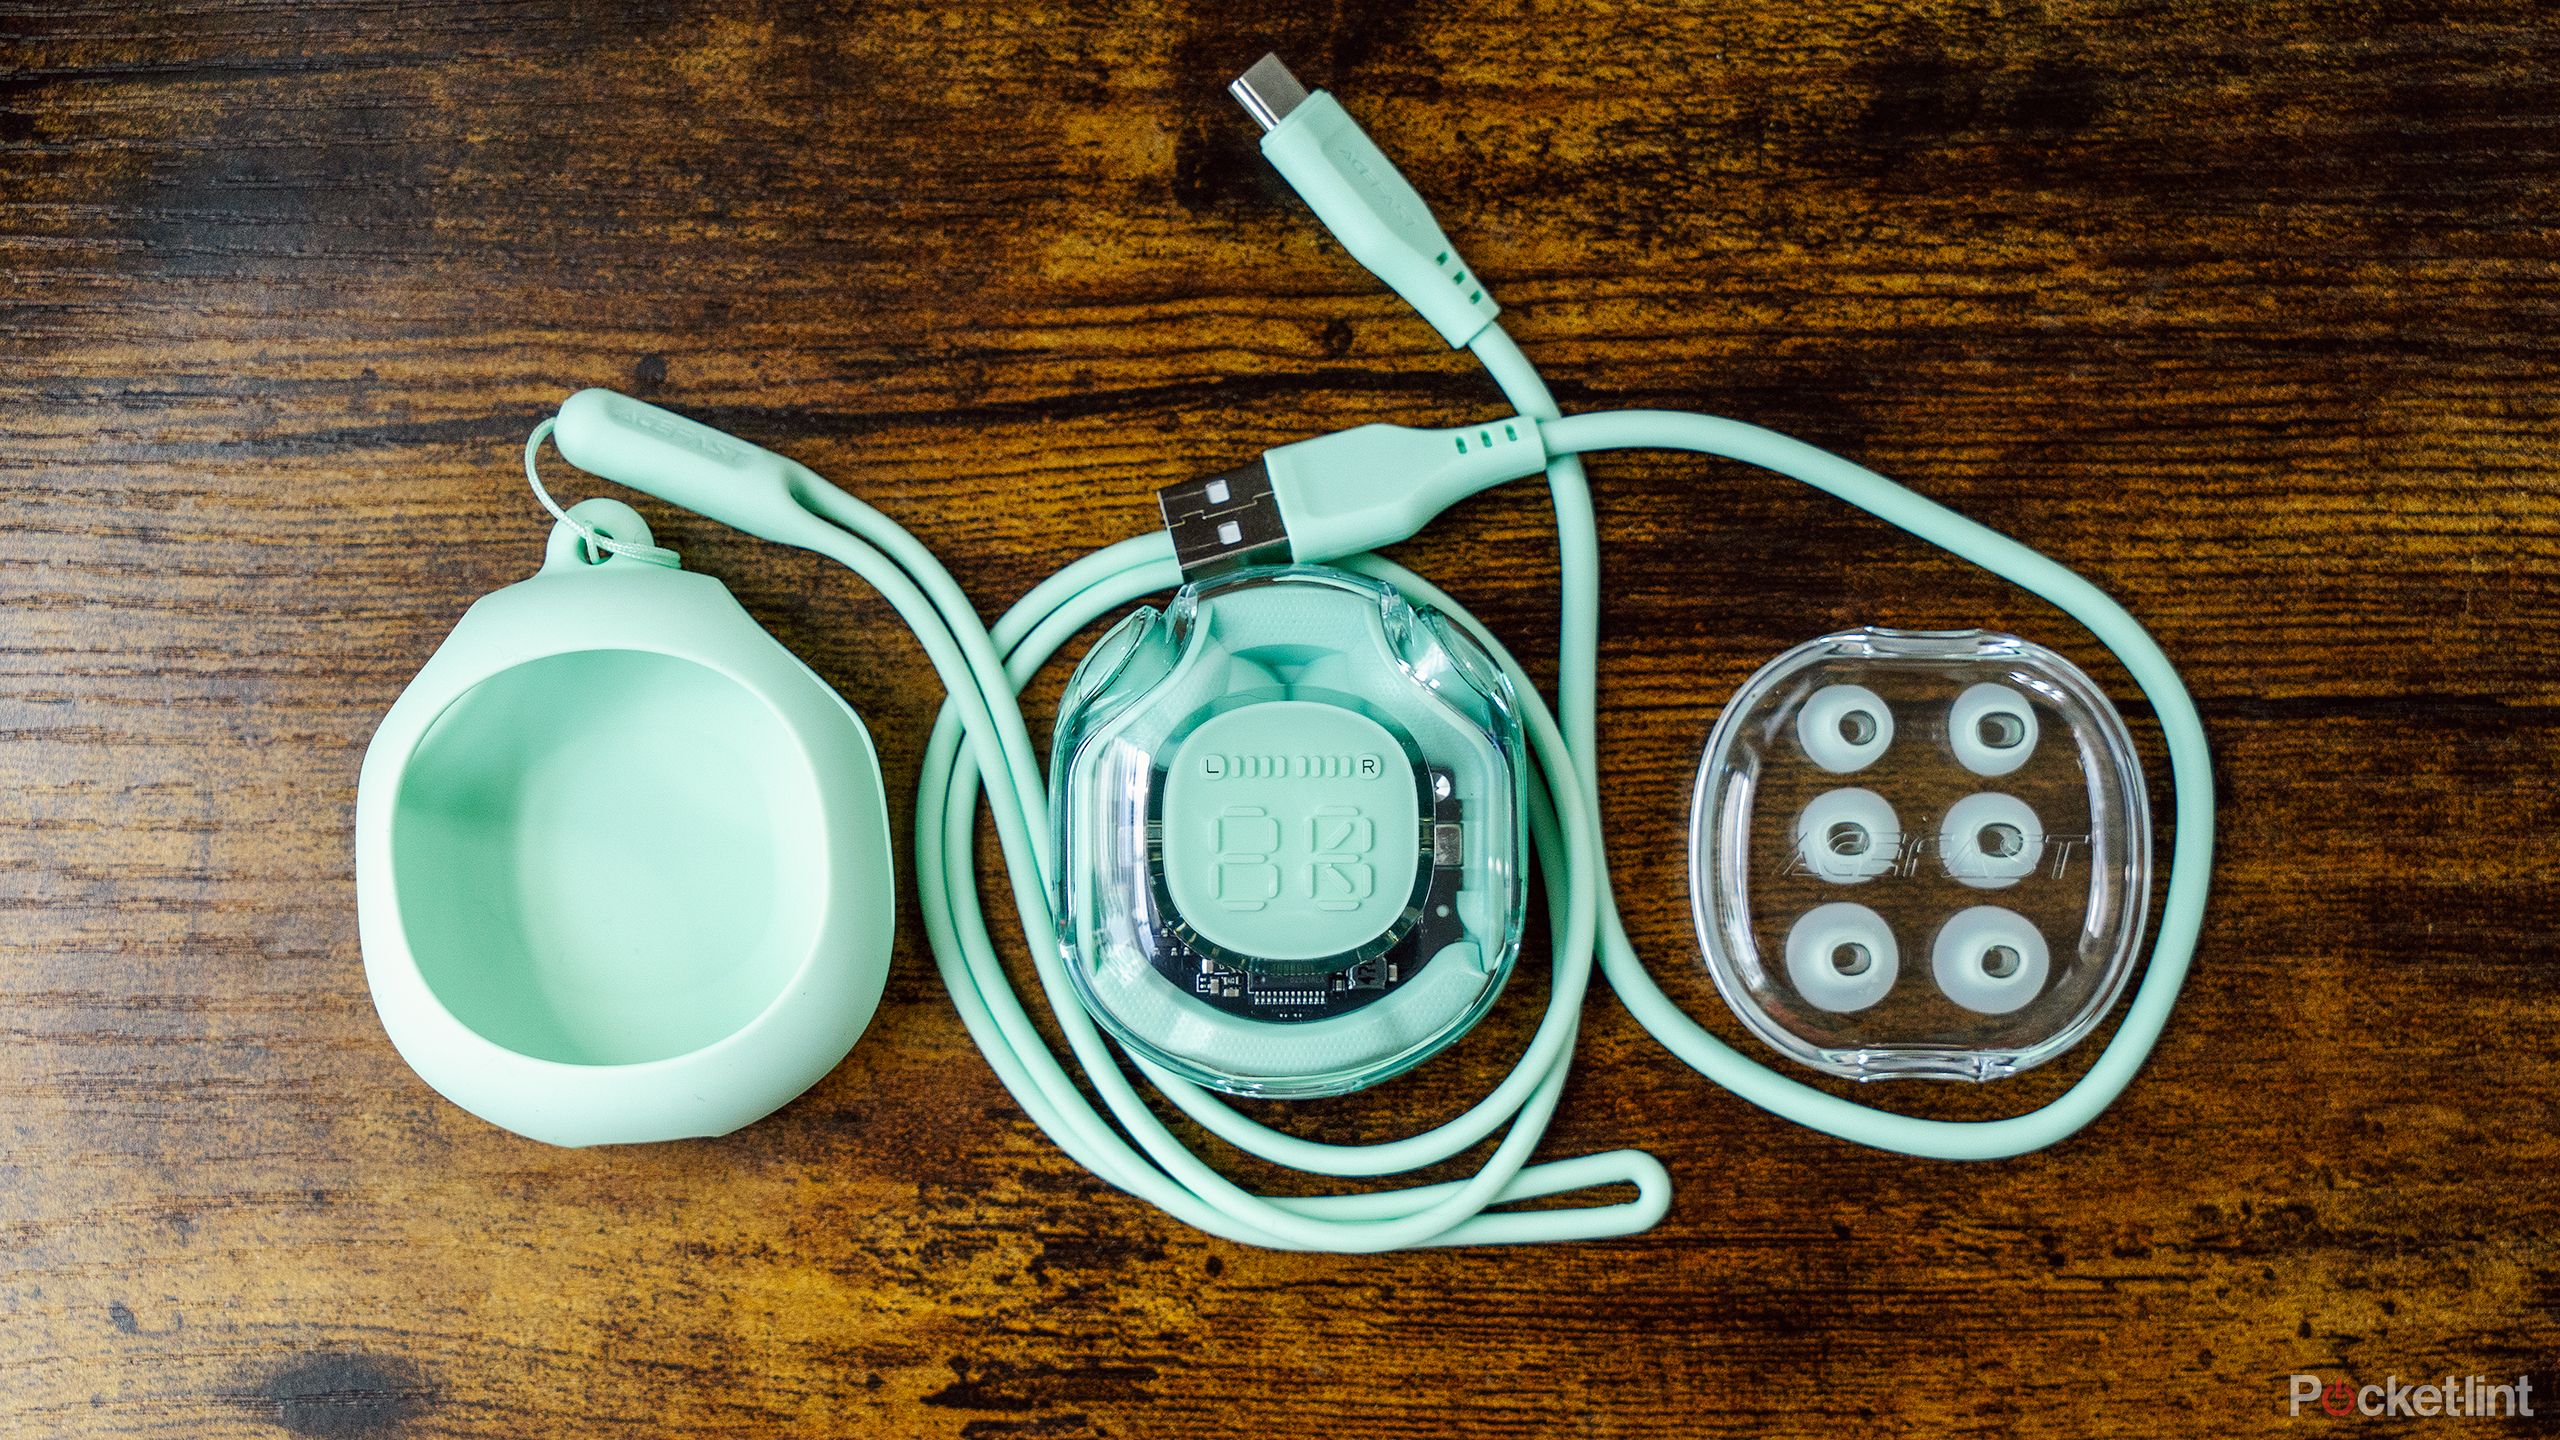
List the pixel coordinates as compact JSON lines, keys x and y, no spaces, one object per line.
{"x":1332,"y":499}
{"x":1362,"y":198}
{"x":981,"y":734}
{"x":2190,"y":767}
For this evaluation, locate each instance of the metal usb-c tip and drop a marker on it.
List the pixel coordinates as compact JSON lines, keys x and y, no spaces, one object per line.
{"x":1225,"y":522}
{"x":1268,"y":92}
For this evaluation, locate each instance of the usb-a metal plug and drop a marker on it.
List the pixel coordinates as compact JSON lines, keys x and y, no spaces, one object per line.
{"x":1225,"y":521}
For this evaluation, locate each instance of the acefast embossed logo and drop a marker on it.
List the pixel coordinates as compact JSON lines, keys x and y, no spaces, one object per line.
{"x":1388,"y":198}
{"x":1292,"y":767}
{"x":675,"y":430}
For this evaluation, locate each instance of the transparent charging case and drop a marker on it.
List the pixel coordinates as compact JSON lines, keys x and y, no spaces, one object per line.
{"x":1290,"y":819}
{"x":1920,"y":853}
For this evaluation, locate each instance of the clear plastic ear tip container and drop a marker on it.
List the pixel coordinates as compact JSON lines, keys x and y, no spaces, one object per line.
{"x":1920,"y":854}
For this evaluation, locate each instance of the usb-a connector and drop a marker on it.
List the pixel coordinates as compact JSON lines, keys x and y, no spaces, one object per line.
{"x":1225,"y":521}
{"x":1341,"y":494}
{"x":1361,"y":197}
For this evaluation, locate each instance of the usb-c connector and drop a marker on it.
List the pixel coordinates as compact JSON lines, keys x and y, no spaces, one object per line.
{"x":1360,"y":196}
{"x":1268,"y":92}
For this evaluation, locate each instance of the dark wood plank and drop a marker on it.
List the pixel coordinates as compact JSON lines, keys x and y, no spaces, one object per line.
{"x":2248,"y":310}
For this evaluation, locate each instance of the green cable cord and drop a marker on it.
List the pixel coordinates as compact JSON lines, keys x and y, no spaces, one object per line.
{"x":2191,"y":777}
{"x":980,"y":733}
{"x":2190,"y":760}
{"x":1357,"y":193}
{"x":1159,"y":1168}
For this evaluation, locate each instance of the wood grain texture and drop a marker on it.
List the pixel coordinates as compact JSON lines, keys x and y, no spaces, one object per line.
{"x":2246,"y":310}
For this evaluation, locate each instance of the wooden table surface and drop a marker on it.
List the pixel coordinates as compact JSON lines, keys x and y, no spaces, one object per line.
{"x":2245,"y":310}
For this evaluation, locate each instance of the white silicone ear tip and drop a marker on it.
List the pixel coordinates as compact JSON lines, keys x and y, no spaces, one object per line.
{"x":1990,"y":841}
{"x":1992,"y":729}
{"x":1989,"y":960}
{"x":1842,"y":956}
{"x":1848,"y":836}
{"x":1844,"y":727}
